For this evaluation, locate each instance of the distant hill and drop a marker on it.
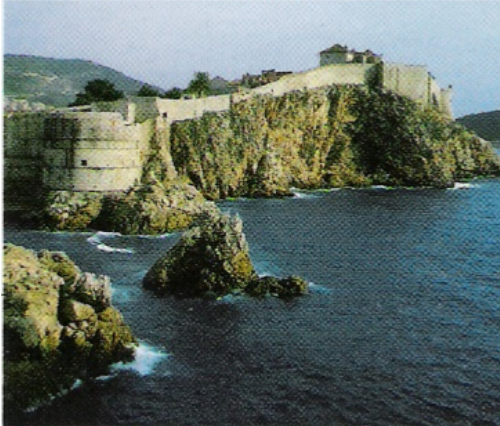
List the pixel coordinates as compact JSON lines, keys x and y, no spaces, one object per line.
{"x":485,"y":124}
{"x":57,"y":81}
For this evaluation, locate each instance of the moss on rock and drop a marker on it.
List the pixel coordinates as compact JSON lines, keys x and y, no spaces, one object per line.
{"x":56,"y":319}
{"x":284,"y":287}
{"x":212,"y":259}
{"x":69,"y":210}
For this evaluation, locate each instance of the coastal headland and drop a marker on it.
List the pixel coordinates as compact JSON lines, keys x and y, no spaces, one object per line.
{"x":149,"y":165}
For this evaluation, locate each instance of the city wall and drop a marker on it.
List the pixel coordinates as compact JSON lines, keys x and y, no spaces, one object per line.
{"x":104,"y":150}
{"x":318,"y":77}
{"x":23,"y":165}
{"x":94,"y":151}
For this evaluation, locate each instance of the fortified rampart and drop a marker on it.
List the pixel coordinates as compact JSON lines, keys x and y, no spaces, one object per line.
{"x":104,"y":150}
{"x":23,"y":164}
{"x":93,"y":151}
{"x":318,"y":77}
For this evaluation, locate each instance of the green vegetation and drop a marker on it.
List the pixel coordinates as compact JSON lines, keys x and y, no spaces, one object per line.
{"x":97,"y":91}
{"x":148,"y":91}
{"x":199,"y":85}
{"x":327,"y":137}
{"x":173,"y":93}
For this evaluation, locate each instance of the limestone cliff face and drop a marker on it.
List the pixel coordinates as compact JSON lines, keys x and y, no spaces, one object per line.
{"x":328,"y":137}
{"x":59,"y":325}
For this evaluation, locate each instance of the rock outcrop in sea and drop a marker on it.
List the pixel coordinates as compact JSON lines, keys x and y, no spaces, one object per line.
{"x":212,"y":259}
{"x":59,"y":326}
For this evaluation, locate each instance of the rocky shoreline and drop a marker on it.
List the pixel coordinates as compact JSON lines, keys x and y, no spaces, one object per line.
{"x":59,"y":326}
{"x":329,"y":137}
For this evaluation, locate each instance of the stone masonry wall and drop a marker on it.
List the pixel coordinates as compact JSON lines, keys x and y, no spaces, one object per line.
{"x":23,"y":166}
{"x":93,"y":151}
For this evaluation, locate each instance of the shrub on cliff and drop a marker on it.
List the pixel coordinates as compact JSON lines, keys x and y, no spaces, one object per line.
{"x":399,"y":143}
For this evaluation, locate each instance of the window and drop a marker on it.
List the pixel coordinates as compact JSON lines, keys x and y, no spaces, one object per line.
{"x":84,"y":162}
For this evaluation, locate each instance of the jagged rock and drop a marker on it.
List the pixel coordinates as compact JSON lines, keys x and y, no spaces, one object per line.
{"x":213,"y":259}
{"x":69,"y":210}
{"x":30,"y":304}
{"x":59,"y":325}
{"x":73,"y":311}
{"x":152,"y":209}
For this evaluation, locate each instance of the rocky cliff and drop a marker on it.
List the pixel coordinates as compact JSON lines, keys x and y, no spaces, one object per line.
{"x":59,"y":325}
{"x":328,"y":137}
{"x":337,"y":136}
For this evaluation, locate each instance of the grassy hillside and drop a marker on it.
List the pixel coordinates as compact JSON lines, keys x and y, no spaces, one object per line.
{"x":57,"y":81}
{"x":485,"y":124}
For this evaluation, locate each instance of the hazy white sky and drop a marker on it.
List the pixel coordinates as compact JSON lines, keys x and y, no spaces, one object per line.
{"x":165,"y":42}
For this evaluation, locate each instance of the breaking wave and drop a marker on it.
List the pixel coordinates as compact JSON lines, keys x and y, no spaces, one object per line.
{"x":97,"y":241}
{"x":146,"y":360}
{"x":464,"y":185}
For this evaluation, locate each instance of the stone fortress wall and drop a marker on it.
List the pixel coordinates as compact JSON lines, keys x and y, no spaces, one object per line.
{"x":89,"y":151}
{"x":104,"y":150}
{"x":23,"y":149}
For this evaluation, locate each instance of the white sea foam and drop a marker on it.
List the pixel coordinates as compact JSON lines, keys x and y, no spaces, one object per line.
{"x":108,"y":249}
{"x":77,"y":384}
{"x":318,"y":289}
{"x":304,"y":195}
{"x":146,"y":359}
{"x":154,"y":237}
{"x":96,"y":240}
{"x":464,"y":185}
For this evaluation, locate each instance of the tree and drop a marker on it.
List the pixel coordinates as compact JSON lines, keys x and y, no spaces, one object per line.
{"x":200,"y":84}
{"x":173,"y":93}
{"x":98,"y":91}
{"x":148,"y":91}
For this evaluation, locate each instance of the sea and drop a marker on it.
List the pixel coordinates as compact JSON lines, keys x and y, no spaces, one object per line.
{"x":401,"y":325}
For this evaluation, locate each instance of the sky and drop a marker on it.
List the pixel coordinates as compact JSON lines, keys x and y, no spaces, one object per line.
{"x":165,"y":42}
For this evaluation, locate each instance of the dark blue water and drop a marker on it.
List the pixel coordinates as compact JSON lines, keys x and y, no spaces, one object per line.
{"x":401,"y":327}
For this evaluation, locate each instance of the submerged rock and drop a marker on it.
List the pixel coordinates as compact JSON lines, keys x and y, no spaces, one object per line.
{"x":213,"y":259}
{"x":59,"y":325}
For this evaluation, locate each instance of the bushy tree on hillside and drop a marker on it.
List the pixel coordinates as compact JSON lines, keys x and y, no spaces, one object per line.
{"x":199,"y":85}
{"x":98,"y":91}
{"x":148,"y":91}
{"x":173,"y":93}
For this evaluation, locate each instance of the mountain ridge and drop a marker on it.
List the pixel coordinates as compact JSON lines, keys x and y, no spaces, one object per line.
{"x":485,"y":124}
{"x":55,"y":81}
